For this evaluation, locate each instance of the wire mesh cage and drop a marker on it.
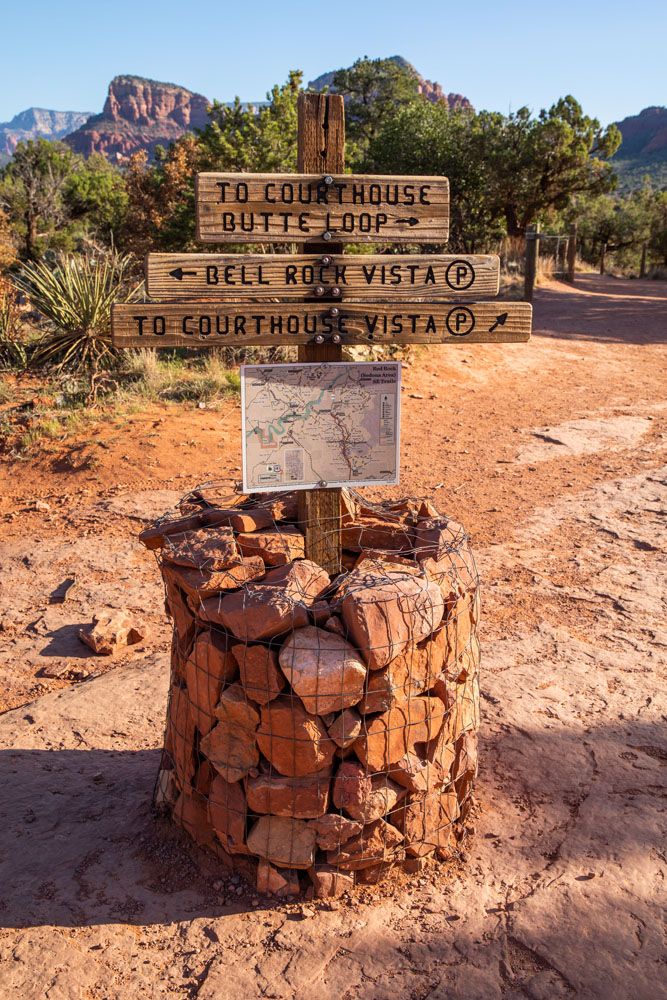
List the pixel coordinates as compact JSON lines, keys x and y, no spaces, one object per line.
{"x":318,"y":728}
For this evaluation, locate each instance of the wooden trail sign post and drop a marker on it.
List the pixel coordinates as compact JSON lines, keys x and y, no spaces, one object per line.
{"x":320,"y":299}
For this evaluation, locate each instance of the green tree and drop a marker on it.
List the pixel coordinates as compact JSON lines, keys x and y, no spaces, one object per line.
{"x":374,"y":90}
{"x":95,"y":195}
{"x":32,"y":188}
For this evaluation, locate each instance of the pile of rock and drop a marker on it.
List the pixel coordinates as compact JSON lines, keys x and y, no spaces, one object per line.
{"x":316,"y":724}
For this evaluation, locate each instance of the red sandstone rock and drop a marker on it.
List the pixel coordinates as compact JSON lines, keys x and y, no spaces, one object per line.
{"x":276,"y":605}
{"x":320,"y":612}
{"x":325,"y":671}
{"x":328,"y":883}
{"x":301,"y":798}
{"x":209,"y":666}
{"x":427,"y":821}
{"x":200,"y":584}
{"x":333,"y":830}
{"x":227,"y":814}
{"x":190,"y":812}
{"x":272,"y":882}
{"x":260,"y":676}
{"x":109,"y":632}
{"x":335,"y":625}
{"x":414,"y":773}
{"x":391,"y":735}
{"x":364,"y":797}
{"x":180,"y":738}
{"x":377,"y":533}
{"x":276,"y":546}
{"x":178,"y":609}
{"x":384,"y":619}
{"x":287,"y":843}
{"x":295,"y":742}
{"x":230,"y":746}
{"x":345,"y":728}
{"x":379,"y":841}
{"x":210,"y":549}
{"x":251,"y":519}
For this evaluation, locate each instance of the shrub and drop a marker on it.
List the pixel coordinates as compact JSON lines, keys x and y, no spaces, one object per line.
{"x":74,"y":295}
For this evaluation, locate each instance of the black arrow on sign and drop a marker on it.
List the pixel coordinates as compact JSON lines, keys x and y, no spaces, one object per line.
{"x":179,"y":273}
{"x":500,"y":321}
{"x":407,"y":222}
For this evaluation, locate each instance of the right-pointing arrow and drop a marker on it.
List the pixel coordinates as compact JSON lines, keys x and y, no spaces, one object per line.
{"x":499,"y":321}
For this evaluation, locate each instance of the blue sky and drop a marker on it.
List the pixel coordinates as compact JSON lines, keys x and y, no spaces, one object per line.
{"x":611,"y":56}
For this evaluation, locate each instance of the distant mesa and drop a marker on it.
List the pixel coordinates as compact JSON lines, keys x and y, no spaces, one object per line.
{"x":139,"y":114}
{"x":38,"y":123}
{"x":643,"y":152}
{"x":431,"y":91}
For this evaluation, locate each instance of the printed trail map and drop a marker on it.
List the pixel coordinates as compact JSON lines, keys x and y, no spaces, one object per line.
{"x":323,"y":424}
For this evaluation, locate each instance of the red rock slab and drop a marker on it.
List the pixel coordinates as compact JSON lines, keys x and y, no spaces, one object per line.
{"x":178,"y":609}
{"x":346,"y":727}
{"x":436,"y":537}
{"x":455,"y":572}
{"x":230,"y":746}
{"x":383,"y":619}
{"x":324,"y":670}
{"x":211,"y":549}
{"x":276,"y":605}
{"x":209,"y":665}
{"x":465,"y":761}
{"x":426,"y":821}
{"x":377,"y":842}
{"x":180,"y":735}
{"x":415,"y":773}
{"x":376,"y":533}
{"x":390,"y":736}
{"x":110,"y":632}
{"x":274,"y":883}
{"x":333,"y":830}
{"x":293,"y":741}
{"x":329,"y":883}
{"x":301,"y":798}
{"x":364,"y":797}
{"x":200,"y":584}
{"x":154,"y":537}
{"x":276,"y":546}
{"x":285,"y":842}
{"x":190,"y":812}
{"x":260,"y":676}
{"x":385,"y":688}
{"x":251,"y":519}
{"x":227,"y":814}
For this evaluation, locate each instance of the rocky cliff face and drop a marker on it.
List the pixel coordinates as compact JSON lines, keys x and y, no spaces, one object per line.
{"x":38,"y":123}
{"x":139,"y":114}
{"x":431,"y":91}
{"x":643,"y":152}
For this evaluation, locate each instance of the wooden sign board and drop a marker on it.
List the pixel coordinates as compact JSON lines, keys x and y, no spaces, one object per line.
{"x":202,"y":324}
{"x":352,"y":277}
{"x":353,"y":208}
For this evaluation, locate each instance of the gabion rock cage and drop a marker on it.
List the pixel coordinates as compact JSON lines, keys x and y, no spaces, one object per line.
{"x":320,"y":730}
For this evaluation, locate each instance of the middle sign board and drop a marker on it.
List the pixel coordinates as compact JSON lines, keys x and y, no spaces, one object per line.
{"x":353,"y":277}
{"x":353,"y":208}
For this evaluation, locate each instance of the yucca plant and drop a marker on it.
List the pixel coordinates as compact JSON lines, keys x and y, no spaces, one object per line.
{"x":74,"y":295}
{"x":12,"y":350}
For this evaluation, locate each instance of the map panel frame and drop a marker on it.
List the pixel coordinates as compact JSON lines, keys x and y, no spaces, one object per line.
{"x":379,"y":379}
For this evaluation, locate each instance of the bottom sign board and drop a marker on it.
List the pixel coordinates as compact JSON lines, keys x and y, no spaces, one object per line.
{"x":323,"y":424}
{"x":209,"y":324}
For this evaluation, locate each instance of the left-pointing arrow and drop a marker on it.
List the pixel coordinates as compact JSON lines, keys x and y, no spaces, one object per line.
{"x":179,"y":273}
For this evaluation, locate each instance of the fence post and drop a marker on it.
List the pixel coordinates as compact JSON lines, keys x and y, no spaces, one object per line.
{"x":530,"y":267}
{"x":572,"y":253}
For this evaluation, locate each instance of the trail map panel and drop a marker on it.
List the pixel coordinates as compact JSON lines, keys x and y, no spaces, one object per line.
{"x":351,"y":277}
{"x":357,"y":208}
{"x":326,"y":424}
{"x":215,"y":324}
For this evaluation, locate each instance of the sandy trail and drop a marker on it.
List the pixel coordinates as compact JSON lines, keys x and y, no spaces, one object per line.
{"x":553,"y":455}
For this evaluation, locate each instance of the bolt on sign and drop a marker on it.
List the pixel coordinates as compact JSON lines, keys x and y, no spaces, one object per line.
{"x":321,"y":299}
{"x":257,"y":208}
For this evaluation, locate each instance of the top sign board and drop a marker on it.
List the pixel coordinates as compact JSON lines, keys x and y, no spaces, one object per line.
{"x":353,"y":208}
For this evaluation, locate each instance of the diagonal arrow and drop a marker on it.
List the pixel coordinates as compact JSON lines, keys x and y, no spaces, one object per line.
{"x":407,"y":222}
{"x":499,"y":321}
{"x":179,"y":273}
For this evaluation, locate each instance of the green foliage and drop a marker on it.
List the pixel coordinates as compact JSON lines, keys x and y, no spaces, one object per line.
{"x":623,"y":225}
{"x":74,"y":295}
{"x":95,"y":192}
{"x":374,"y":90}
{"x":504,"y":171}
{"x":13,"y":353}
